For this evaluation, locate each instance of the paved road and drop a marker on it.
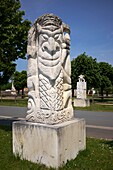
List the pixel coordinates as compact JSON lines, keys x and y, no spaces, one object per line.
{"x":96,"y":118}
{"x":12,"y":111}
{"x":8,"y":114}
{"x":99,"y":124}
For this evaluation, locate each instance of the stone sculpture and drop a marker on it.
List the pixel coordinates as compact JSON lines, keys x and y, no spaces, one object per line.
{"x":47,"y":137}
{"x":13,"y":90}
{"x":49,"y":70}
{"x":81,"y":99}
{"x":81,"y":88}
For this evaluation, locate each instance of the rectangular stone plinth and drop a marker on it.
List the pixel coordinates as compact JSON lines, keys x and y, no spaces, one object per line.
{"x":81,"y":102}
{"x":51,"y":145}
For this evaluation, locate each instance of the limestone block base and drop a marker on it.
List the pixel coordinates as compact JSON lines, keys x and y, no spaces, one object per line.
{"x":81,"y":102}
{"x":51,"y":145}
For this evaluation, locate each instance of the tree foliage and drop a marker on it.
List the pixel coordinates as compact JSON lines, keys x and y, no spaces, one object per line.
{"x":106,"y":74}
{"x":20,"y":80}
{"x":13,"y":36}
{"x":98,"y":75}
{"x":6,"y":86}
{"x":86,"y":66}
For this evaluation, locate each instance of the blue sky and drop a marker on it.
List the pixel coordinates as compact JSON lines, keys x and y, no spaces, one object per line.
{"x":90,"y":21}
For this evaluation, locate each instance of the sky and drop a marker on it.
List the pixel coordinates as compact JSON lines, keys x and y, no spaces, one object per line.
{"x":90,"y":21}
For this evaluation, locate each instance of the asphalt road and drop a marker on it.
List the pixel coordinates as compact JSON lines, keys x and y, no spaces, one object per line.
{"x":98,"y":124}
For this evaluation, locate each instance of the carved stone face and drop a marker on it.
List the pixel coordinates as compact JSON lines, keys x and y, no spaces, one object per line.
{"x":50,"y":52}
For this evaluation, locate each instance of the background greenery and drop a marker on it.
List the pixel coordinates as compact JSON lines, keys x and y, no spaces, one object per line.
{"x":13,"y":37}
{"x":97,"y":75}
{"x":13,"y":45}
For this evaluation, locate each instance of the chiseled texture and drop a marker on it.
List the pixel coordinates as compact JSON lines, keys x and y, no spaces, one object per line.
{"x":49,"y":71}
{"x":51,"y":145}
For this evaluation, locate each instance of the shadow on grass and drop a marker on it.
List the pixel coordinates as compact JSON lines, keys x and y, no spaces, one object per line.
{"x":6,"y":128}
{"x":109,"y":143}
{"x":6,"y":124}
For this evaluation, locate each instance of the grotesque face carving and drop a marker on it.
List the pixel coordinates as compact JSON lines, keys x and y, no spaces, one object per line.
{"x":49,"y":80}
{"x":50,"y":52}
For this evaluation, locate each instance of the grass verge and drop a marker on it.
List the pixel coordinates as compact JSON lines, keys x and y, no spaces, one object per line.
{"x":97,"y":156}
{"x":97,"y":107}
{"x":23,"y":103}
{"x":12,"y":102}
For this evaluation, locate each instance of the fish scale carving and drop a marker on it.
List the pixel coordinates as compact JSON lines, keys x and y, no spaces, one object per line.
{"x":51,"y":97}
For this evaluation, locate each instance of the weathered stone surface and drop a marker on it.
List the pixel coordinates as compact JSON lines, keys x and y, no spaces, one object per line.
{"x":49,"y":71}
{"x":81,"y":102}
{"x":51,"y":145}
{"x":81,"y":88}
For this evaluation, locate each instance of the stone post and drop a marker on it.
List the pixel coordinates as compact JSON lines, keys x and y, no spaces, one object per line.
{"x":50,"y":135}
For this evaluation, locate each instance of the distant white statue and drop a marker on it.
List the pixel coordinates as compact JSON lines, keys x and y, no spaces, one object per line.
{"x":13,"y":90}
{"x":49,"y":71}
{"x":81,"y":88}
{"x":81,"y":78}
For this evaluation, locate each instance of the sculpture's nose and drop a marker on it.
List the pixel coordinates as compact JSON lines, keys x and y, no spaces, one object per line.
{"x":52,"y":46}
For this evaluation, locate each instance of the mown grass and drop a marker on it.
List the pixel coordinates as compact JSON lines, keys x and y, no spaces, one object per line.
{"x":12,"y":102}
{"x":104,"y":100}
{"x":97,"y":156}
{"x":97,"y":107}
{"x":101,"y":106}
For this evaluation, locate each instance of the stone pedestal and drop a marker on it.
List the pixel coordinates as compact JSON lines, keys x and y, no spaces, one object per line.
{"x":81,"y":102}
{"x":51,"y":145}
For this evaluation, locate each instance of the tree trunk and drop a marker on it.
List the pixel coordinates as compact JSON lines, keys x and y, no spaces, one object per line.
{"x":106,"y":93}
{"x":72,"y":92}
{"x":18,"y":92}
{"x":22,"y":93}
{"x":102,"y":94}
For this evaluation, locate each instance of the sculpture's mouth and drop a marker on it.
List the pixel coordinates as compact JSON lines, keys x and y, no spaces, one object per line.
{"x":52,"y":61}
{"x":49,"y":60}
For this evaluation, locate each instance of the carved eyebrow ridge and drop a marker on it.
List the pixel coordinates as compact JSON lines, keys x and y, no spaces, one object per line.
{"x":50,"y":33}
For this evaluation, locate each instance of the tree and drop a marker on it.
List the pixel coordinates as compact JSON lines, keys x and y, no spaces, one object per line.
{"x":13,"y":37}
{"x":87,"y":66}
{"x":20,"y":81}
{"x":106,"y":80}
{"x":6,"y":86}
{"x":6,"y":70}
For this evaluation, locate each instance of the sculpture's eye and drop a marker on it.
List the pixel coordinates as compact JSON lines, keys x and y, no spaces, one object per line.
{"x":57,"y":36}
{"x":45,"y":36}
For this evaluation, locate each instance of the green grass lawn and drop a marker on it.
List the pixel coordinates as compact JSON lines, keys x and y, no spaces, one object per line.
{"x":98,"y":104}
{"x":12,"y":102}
{"x":97,"y":156}
{"x":94,"y":106}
